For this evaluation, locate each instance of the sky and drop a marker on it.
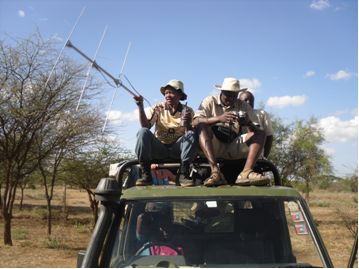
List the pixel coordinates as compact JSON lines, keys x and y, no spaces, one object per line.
{"x":299,"y":57}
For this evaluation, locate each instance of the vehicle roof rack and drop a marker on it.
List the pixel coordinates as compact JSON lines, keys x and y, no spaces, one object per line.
{"x":230,"y":169}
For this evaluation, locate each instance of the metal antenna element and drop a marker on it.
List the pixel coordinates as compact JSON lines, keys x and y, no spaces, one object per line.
{"x":125,"y":59}
{"x":62,"y":49}
{"x":100,"y":69}
{"x":129,"y":82}
{"x":115,"y":92}
{"x":90,"y":66}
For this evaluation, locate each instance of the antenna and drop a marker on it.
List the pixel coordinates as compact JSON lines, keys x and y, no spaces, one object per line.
{"x":62,"y":49}
{"x":90,"y":66}
{"x":115,"y":92}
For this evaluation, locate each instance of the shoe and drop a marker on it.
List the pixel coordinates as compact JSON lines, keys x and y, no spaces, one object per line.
{"x":249,"y":177}
{"x":185,"y":182}
{"x":144,"y":181}
{"x":184,"y":178}
{"x":216,"y":179}
{"x":146,"y":178}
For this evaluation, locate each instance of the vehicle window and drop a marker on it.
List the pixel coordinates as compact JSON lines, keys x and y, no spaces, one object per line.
{"x":303,"y":247}
{"x":243,"y":232}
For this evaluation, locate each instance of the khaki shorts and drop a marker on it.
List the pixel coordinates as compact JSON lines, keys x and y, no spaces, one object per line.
{"x":229,"y":151}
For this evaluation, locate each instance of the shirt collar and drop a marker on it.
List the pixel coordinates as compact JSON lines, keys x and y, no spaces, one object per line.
{"x":178,"y":109}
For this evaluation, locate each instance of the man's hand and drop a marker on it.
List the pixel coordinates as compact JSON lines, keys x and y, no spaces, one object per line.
{"x":139,"y":100}
{"x":186,"y":118}
{"x":227,"y":117}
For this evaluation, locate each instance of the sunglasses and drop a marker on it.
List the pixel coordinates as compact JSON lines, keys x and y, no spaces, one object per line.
{"x":230,"y":94}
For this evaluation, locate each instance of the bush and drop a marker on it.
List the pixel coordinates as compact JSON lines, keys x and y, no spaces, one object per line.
{"x":56,"y":243}
{"x":20,"y":234}
{"x":323,"y":184}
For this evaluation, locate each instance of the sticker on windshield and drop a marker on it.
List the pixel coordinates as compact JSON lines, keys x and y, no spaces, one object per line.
{"x":293,"y":206}
{"x":300,"y":228}
{"x":297,"y":216}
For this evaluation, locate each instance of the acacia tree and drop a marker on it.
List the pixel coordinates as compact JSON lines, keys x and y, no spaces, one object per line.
{"x":85,"y":169}
{"x":28,"y":103}
{"x":70,"y":132}
{"x":297,"y":151}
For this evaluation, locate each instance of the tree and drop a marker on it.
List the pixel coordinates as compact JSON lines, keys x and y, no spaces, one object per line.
{"x":30,"y":105}
{"x":69,"y":132}
{"x":297,"y":151}
{"x":85,"y":169}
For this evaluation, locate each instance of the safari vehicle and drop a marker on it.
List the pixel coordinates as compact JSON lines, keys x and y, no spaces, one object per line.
{"x":228,"y":226}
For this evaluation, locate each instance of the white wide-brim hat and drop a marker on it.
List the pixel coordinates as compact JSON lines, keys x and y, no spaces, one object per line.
{"x":177,"y":85}
{"x":229,"y":84}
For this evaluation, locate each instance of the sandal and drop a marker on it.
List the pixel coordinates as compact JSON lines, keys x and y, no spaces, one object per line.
{"x":249,"y":177}
{"x":216,"y":179}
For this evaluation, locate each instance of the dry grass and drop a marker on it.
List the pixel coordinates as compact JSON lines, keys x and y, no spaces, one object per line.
{"x":32,"y":248}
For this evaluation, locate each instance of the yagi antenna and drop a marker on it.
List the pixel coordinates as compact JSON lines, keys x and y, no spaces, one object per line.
{"x":90,"y":67}
{"x":62,"y":49}
{"x":115,"y":92}
{"x":100,"y":68}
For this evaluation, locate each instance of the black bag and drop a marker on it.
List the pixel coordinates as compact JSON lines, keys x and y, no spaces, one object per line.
{"x":224,"y":134}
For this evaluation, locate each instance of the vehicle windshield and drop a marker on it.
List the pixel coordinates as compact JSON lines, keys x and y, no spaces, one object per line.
{"x":245,"y":232}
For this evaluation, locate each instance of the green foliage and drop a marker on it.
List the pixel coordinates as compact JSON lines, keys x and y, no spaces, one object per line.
{"x":56,"y":243}
{"x":80,"y":227}
{"x":20,"y":234}
{"x":297,"y":151}
{"x":39,"y":212}
{"x":84,"y":169}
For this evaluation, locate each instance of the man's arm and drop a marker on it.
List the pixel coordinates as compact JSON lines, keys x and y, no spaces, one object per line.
{"x":225,"y":117}
{"x":142,"y":115}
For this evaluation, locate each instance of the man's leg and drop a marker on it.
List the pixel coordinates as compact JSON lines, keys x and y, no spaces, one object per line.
{"x":205,"y":142}
{"x":148,"y":148}
{"x":186,"y":146}
{"x":255,"y":142}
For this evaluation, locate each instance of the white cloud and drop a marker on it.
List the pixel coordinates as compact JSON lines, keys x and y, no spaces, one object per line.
{"x":339,"y":131}
{"x":250,"y":83}
{"x":123,"y":117}
{"x":319,"y":4}
{"x":310,"y":73}
{"x":329,"y":151}
{"x":21,"y":13}
{"x":347,"y":111}
{"x":56,"y":37}
{"x":285,"y":101}
{"x":340,"y":75}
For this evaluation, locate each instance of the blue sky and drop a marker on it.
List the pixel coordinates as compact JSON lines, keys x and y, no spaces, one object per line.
{"x":300,"y":57}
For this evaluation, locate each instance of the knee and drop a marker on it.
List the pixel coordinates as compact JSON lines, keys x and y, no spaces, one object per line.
{"x":191,"y":135}
{"x":204,"y":130}
{"x":143,"y":132}
{"x":258,"y":137}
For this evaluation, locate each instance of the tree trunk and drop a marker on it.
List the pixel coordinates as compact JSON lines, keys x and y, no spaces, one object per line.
{"x":307,"y":190}
{"x":64,"y":205}
{"x":49,"y":216}
{"x":22,"y":198}
{"x":7,"y":229}
{"x":0,"y":198}
{"x":93,"y":205}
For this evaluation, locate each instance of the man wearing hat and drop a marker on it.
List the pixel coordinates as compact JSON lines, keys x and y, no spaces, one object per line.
{"x":219,"y":119}
{"x":263,"y":119}
{"x":172,"y":137}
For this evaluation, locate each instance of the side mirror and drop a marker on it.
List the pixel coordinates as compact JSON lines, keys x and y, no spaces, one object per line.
{"x":354,"y":254}
{"x":80,"y":258}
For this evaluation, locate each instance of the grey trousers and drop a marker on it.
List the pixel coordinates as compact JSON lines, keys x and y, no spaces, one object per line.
{"x":149,"y":148}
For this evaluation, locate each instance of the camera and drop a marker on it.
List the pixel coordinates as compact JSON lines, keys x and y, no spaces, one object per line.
{"x":242,"y":117}
{"x":244,"y":120}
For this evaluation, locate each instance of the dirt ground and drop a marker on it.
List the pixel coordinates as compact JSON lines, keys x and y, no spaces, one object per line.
{"x":32,"y":248}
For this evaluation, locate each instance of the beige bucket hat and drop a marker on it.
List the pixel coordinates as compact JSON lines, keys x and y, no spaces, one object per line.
{"x":177,"y":85}
{"x":229,"y":84}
